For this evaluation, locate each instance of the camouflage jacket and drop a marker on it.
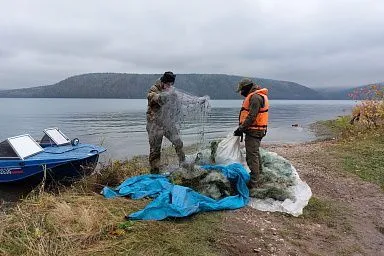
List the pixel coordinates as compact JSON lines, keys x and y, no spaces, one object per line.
{"x":154,"y":103}
{"x":160,"y":112}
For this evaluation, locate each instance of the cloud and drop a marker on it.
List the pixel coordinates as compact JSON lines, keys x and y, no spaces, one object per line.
{"x":313,"y":42}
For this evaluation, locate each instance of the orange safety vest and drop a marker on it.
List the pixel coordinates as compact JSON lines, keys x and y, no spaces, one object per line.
{"x":261,"y":120}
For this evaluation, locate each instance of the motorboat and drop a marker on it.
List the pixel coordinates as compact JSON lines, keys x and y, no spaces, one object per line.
{"x":55,"y":157}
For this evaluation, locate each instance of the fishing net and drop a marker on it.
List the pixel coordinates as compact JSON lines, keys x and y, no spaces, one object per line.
{"x":186,"y":115}
{"x":276,"y":177}
{"x":281,"y":188}
{"x":211,"y":183}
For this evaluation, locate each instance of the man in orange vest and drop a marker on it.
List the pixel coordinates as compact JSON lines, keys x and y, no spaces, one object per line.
{"x":253,"y":121}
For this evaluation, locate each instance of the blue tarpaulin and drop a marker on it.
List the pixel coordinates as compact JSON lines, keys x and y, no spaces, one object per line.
{"x":177,"y":201}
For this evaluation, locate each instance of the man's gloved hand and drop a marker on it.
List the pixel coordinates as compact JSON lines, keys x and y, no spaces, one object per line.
{"x":238,"y":132}
{"x":204,"y":99}
{"x":163,"y":98}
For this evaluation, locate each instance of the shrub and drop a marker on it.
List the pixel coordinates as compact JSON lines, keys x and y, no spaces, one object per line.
{"x":370,"y":110}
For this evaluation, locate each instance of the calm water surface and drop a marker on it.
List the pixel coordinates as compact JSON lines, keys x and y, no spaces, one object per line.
{"x":119,"y":124}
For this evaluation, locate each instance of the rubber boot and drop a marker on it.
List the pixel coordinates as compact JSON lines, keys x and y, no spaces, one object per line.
{"x":155,"y":170}
{"x":253,"y":185}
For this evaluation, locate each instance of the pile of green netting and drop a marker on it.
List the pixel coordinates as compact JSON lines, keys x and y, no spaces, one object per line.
{"x":211,"y":183}
{"x":276,"y":176}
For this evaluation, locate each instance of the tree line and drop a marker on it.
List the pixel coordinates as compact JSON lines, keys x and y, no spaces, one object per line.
{"x":135,"y":86}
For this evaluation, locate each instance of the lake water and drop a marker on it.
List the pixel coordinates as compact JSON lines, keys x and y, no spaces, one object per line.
{"x":119,"y":124}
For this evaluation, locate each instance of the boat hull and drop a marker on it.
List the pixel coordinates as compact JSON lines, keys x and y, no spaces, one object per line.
{"x":61,"y":172}
{"x":55,"y":163}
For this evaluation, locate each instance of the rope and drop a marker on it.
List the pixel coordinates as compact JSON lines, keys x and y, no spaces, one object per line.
{"x":41,"y":190}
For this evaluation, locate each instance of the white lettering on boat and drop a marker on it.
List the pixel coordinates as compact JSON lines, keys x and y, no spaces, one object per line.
{"x":10,"y":171}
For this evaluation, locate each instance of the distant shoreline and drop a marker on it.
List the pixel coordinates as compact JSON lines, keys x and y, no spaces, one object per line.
{"x":145,"y":98}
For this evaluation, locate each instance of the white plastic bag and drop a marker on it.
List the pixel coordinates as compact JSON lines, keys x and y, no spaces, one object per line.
{"x":228,"y":151}
{"x":300,"y":191}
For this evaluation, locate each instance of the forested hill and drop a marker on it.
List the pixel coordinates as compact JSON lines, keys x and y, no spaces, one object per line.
{"x":345,"y":94}
{"x":135,"y":86}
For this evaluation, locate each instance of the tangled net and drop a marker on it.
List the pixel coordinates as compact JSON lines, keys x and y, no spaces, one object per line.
{"x":188,"y":114}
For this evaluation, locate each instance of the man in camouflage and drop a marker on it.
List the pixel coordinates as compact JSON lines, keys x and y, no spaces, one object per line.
{"x":161,"y":121}
{"x":253,"y":121}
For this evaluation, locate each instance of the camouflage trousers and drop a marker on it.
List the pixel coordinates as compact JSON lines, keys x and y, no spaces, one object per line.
{"x":252,"y":145}
{"x":156,"y":133}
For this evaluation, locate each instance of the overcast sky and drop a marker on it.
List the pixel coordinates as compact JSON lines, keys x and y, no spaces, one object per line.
{"x":317,"y":43}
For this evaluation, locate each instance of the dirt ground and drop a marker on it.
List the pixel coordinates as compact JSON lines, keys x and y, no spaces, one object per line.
{"x":345,"y":216}
{"x":348,"y":218}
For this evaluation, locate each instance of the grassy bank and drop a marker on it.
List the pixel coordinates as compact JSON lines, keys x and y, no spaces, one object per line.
{"x":70,"y":224}
{"x":359,"y":148}
{"x":77,"y":220}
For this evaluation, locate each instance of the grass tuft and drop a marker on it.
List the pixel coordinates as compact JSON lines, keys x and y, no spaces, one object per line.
{"x":77,"y":219}
{"x":360,"y":149}
{"x":326,"y":212}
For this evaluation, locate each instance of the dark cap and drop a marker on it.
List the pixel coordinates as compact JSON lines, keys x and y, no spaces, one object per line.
{"x":245,"y":82}
{"x":168,"y":77}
